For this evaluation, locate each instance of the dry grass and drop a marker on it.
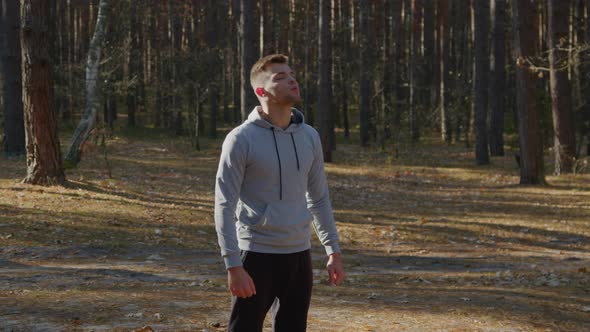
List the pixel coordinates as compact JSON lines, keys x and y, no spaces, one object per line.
{"x":432,"y":243}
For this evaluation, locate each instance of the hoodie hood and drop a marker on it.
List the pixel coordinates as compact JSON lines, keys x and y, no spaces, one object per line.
{"x":297,"y":120}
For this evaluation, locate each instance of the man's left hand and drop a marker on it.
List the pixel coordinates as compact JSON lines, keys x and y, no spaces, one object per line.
{"x":335,"y":269}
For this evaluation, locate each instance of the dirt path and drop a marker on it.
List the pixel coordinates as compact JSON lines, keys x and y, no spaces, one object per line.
{"x":431,"y":244}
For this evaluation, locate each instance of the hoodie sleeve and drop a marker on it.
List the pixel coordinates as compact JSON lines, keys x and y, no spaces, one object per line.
{"x":318,"y":201}
{"x":228,"y":182}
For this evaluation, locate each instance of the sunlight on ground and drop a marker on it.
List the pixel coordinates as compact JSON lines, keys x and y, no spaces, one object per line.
{"x":432,"y":242}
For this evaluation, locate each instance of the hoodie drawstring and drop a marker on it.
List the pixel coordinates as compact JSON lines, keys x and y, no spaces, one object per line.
{"x":295,"y":148}
{"x":279,"y":159}
{"x":280,"y":169}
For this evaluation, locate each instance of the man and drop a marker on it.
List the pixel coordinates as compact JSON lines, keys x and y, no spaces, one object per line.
{"x":271,"y":177}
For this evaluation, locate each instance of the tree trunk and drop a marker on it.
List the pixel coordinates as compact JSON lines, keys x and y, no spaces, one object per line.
{"x":131,"y":98}
{"x":325,"y":78}
{"x":92,"y":103}
{"x":155,"y":26}
{"x":400,"y":61}
{"x":2,"y":48}
{"x":44,"y":164}
{"x":587,"y":71}
{"x":176,"y":66}
{"x":236,"y":69}
{"x":10,"y":66}
{"x":249,"y":49}
{"x":482,"y":70}
{"x":531,"y":146}
{"x":415,"y":38}
{"x":428,"y":75}
{"x":444,"y":50}
{"x":498,"y":82}
{"x":365,"y":73}
{"x":561,"y":99}
{"x":344,"y":65}
{"x":214,"y":67}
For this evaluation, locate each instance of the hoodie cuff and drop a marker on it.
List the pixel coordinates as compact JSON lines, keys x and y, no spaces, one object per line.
{"x":232,"y":261}
{"x":330,"y":249}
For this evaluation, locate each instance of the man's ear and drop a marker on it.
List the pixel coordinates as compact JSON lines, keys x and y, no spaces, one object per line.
{"x":260,"y":92}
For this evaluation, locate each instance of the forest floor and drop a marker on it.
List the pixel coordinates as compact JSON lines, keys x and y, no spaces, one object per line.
{"x":431,"y":243}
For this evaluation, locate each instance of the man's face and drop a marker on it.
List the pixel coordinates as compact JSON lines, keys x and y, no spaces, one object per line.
{"x":280,"y":85}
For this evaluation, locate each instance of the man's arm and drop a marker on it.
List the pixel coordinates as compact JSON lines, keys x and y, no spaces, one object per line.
{"x":228,"y":182}
{"x":318,"y":202}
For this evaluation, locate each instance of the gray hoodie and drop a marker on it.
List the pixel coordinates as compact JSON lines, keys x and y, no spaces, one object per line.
{"x":270,"y":186}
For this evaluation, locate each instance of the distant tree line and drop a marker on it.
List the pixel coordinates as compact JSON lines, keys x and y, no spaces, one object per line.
{"x":381,"y":72}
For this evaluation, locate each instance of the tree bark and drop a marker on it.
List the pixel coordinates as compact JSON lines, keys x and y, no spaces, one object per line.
{"x":92,"y":103}
{"x":444,"y":51}
{"x":430,"y":59}
{"x":344,"y":67}
{"x":561,"y":99}
{"x":365,"y":73}
{"x":249,"y":55}
{"x":482,"y":70}
{"x":587,"y":71}
{"x":236,"y":67}
{"x":325,"y":78}
{"x":415,"y":38}
{"x":10,"y":62}
{"x":531,"y":146}
{"x":132,"y":65}
{"x":498,"y":82}
{"x":44,"y":164}
{"x":214,"y":67}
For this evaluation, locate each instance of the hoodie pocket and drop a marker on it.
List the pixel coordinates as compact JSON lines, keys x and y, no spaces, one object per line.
{"x":250,"y":216}
{"x":284,"y":216}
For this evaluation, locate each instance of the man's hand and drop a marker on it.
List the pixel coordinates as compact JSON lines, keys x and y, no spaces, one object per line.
{"x":239,"y":282}
{"x":335,"y":269}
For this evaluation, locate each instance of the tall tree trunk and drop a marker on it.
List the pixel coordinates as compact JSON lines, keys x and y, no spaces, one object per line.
{"x":2,"y":49}
{"x":531,"y":146}
{"x":306,"y":65}
{"x":415,"y":38}
{"x":131,"y":99}
{"x":249,"y":55}
{"x":236,"y":66}
{"x":92,"y":103}
{"x":382,"y":123}
{"x":325,"y":78}
{"x":365,"y":73}
{"x":176,"y":66}
{"x":482,"y":70}
{"x":10,"y":62}
{"x":587,"y":93}
{"x":69,"y":99}
{"x":140,"y":63}
{"x":498,"y":81}
{"x":578,"y":76}
{"x":345,"y":65}
{"x":214,"y":67}
{"x":84,"y":23}
{"x":471,"y":118}
{"x":400,"y":61}
{"x":444,"y":50}
{"x":561,"y":99}
{"x":44,"y":164}
{"x":429,"y":53}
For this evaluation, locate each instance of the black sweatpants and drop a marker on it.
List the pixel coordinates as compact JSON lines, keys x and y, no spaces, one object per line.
{"x":283,"y":282}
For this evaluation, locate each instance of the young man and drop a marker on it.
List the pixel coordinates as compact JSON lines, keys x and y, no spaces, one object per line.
{"x":271,"y":177}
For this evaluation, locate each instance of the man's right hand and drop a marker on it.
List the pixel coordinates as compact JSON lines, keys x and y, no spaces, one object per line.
{"x":239,"y":282}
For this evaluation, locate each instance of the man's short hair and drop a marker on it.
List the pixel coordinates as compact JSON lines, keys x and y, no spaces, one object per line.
{"x":260,"y":65}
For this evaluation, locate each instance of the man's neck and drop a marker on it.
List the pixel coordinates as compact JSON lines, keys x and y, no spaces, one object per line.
{"x":279,"y":116}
